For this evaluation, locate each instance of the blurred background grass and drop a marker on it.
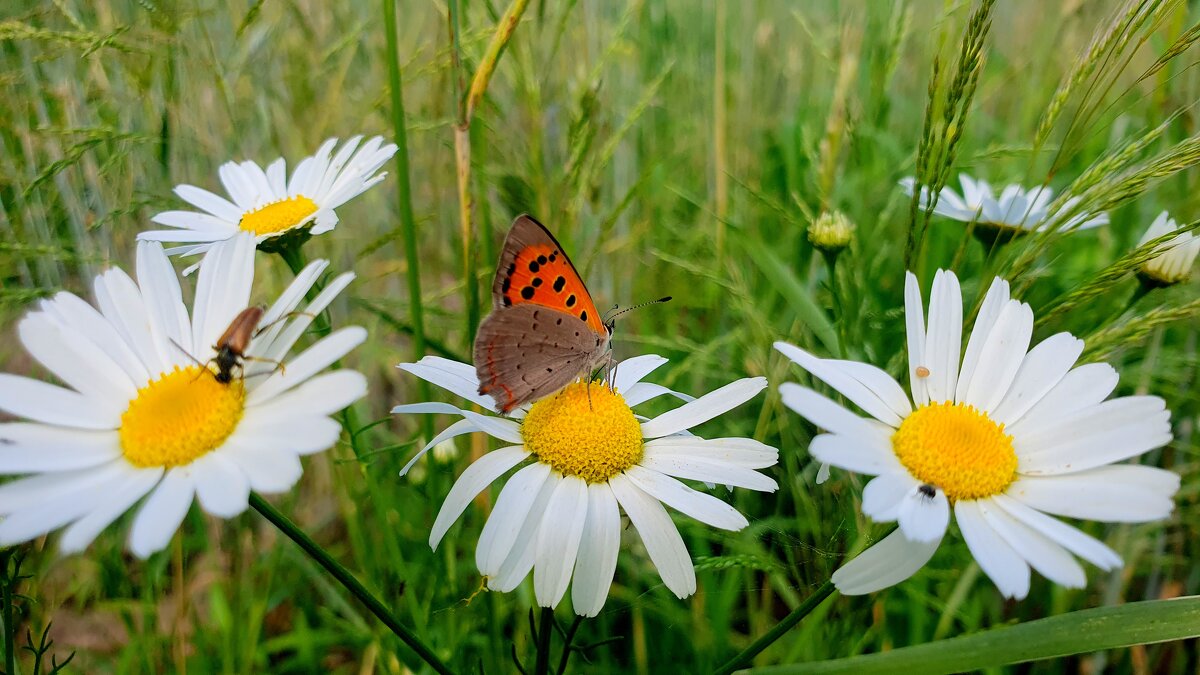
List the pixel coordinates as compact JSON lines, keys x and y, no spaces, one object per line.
{"x":675,"y":147}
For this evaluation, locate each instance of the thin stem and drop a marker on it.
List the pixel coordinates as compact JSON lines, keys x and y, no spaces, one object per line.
{"x":743,"y":659}
{"x":545,"y":631}
{"x":567,"y":646}
{"x":348,"y":580}
{"x":408,"y":226}
{"x":10,"y":630}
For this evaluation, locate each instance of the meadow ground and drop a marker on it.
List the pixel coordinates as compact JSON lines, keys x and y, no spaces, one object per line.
{"x":676,"y":148}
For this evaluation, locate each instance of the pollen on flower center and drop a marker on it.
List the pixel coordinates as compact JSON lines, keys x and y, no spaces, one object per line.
{"x":179,"y":417}
{"x":278,"y":216}
{"x":585,"y":431}
{"x":958,"y":449}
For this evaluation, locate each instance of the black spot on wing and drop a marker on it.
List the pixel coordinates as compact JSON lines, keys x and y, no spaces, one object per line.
{"x":527,"y":292}
{"x":571,"y":300}
{"x":559,"y":283}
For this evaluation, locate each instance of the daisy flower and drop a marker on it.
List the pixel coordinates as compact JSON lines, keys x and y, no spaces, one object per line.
{"x":1173,"y":262}
{"x":586,"y":457}
{"x":1005,"y":437}
{"x":1017,"y":211}
{"x":140,"y":416}
{"x":267,"y":203}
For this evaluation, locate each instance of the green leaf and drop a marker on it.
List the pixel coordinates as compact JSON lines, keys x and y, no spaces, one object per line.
{"x":1079,"y":632}
{"x":794,"y":292}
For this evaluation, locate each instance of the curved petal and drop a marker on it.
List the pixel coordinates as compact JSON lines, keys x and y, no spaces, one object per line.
{"x":509,"y":515}
{"x":884,"y":494}
{"x":914,"y":320}
{"x":854,"y":390}
{"x":520,"y":557}
{"x":707,"y":471}
{"x":475,"y":479}
{"x":1123,"y":493}
{"x":703,"y":507}
{"x":558,"y":540}
{"x":944,"y":339}
{"x":1041,"y":370}
{"x":1045,"y":556}
{"x":632,"y":371}
{"x":1001,"y":357}
{"x":161,"y":514}
{"x":1003,"y":565}
{"x":46,"y":403}
{"x":119,"y":499}
{"x":221,"y":487}
{"x":659,"y":535}
{"x":1075,"y":541}
{"x":1109,"y":432}
{"x":598,"y":549}
{"x":852,"y":454}
{"x":996,"y":299}
{"x":38,"y":448}
{"x":456,"y":378}
{"x":704,"y":408}
{"x":1081,"y":388}
{"x":885,"y":564}
{"x":923,"y":517}
{"x":310,"y":362}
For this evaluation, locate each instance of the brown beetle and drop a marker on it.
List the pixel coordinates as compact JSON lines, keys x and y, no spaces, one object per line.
{"x":231,"y":346}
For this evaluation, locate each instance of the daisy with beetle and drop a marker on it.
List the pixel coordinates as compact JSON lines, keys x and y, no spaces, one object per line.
{"x":582,"y":456}
{"x":151,"y":413}
{"x":1003,"y":436}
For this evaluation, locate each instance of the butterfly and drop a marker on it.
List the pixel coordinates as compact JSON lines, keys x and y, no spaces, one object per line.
{"x":544,"y":330}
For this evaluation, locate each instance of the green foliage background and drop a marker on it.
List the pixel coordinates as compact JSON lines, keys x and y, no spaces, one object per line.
{"x":675,"y":147}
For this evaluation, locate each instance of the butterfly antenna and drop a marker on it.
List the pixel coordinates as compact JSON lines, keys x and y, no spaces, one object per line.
{"x":612,"y":317}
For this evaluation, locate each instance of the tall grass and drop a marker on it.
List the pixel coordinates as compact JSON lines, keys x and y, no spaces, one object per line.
{"x":676,"y":148}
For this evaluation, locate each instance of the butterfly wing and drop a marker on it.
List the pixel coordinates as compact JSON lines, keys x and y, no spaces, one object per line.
{"x":534,"y":269}
{"x":525,"y":352}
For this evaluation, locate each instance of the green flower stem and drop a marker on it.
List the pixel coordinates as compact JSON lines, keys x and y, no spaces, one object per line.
{"x":545,"y":631}
{"x":743,"y":659}
{"x":10,"y":628}
{"x":348,"y":580}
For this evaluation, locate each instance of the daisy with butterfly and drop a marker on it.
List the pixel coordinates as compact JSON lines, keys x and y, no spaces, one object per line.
{"x":581,"y":453}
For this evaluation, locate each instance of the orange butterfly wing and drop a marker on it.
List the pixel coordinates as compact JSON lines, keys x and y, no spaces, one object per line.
{"x":535,"y":269}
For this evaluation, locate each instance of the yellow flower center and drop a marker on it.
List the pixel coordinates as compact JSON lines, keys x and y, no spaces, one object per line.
{"x":179,"y":417}
{"x":278,"y":216}
{"x":957,"y":449}
{"x":585,"y":431}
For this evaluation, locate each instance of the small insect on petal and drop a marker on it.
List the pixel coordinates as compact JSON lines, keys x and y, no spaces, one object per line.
{"x":922,"y":371}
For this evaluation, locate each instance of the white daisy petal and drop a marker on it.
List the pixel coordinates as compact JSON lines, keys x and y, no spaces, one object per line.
{"x":914,"y":319}
{"x":1081,"y":388}
{"x":1001,"y":356}
{"x":744,"y":452}
{"x":644,"y":391}
{"x":558,"y":540}
{"x":220,"y":486}
{"x":1109,"y":432}
{"x":164,"y":310}
{"x":598,"y":549}
{"x":633,"y":370}
{"x":477,"y":477}
{"x":324,"y":394}
{"x":1003,"y":565}
{"x":1045,"y":556}
{"x":269,"y":353}
{"x":82,"y":321}
{"x":120,"y":499}
{"x":704,"y":408}
{"x":884,"y":494}
{"x":36,"y":448}
{"x":923,"y":514}
{"x":308,"y":363}
{"x":214,"y":204}
{"x":299,"y":436}
{"x":1075,"y":541}
{"x":852,"y":454}
{"x":843,"y":382}
{"x":459,"y":428}
{"x":190,"y":220}
{"x":944,"y":338}
{"x":1042,"y":369}
{"x":826,"y":414}
{"x":659,"y":535}
{"x":885,"y":564}
{"x":513,"y":508}
{"x":703,"y":507}
{"x":994,"y":302}
{"x":692,"y":468}
{"x":47,"y":403}
{"x":456,"y":378}
{"x":1122,"y":493}
{"x":77,"y":361}
{"x":161,"y":514}
{"x":268,"y":470}
{"x":53,"y":508}
{"x":522,"y":554}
